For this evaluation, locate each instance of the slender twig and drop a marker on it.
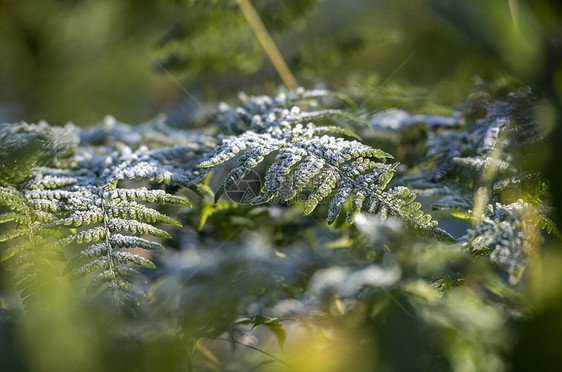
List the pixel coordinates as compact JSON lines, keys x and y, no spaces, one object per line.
{"x":267,"y":43}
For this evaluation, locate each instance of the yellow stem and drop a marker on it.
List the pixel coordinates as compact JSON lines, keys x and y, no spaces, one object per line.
{"x":482,"y":194}
{"x":514,"y":10}
{"x":267,"y":43}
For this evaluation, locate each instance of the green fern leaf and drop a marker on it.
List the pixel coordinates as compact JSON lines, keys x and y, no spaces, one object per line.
{"x":308,"y":154}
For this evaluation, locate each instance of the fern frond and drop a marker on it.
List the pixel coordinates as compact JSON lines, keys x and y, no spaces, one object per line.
{"x":134,"y":227}
{"x":15,"y":217}
{"x":125,"y":258}
{"x":12,"y":234}
{"x":99,"y":263}
{"x":249,"y":160}
{"x":15,"y":249}
{"x":305,"y":172}
{"x":32,"y":255}
{"x":106,"y":259}
{"x":366,"y":178}
{"x":44,"y":205}
{"x":257,"y":112}
{"x":136,"y":211}
{"x":93,"y":234}
{"x":321,"y":94}
{"x":335,"y":130}
{"x":142,"y":193}
{"x":52,"y":181}
{"x":153,"y":165}
{"x":507,"y":125}
{"x":329,"y":114}
{"x":82,"y":193}
{"x":11,"y":198}
{"x":277,"y":174}
{"x":119,"y":241}
{"x":502,"y":235}
{"x":310,"y":155}
{"x":517,"y":180}
{"x":322,"y":186}
{"x":231,"y":146}
{"x":121,"y":289}
{"x":79,"y":218}
{"x":92,"y":252}
{"x":25,"y":146}
{"x":480,"y":163}
{"x":462,"y":202}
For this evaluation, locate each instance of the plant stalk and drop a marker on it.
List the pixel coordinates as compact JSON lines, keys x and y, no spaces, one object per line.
{"x":267,"y":43}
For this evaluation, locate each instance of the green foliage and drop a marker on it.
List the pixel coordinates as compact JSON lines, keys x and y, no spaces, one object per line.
{"x":25,"y":147}
{"x":78,"y":200}
{"x":220,"y":35}
{"x":87,"y":210}
{"x":485,"y":165}
{"x":35,"y":246}
{"x":307,"y":155}
{"x":363,"y":280}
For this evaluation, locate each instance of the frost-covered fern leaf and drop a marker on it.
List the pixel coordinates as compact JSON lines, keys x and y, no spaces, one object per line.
{"x":310,"y":155}
{"x":111,"y":219}
{"x":399,"y":127}
{"x":451,"y":195}
{"x":32,"y":246}
{"x":258,"y":112}
{"x":85,"y":201}
{"x":495,"y":140}
{"x":488,"y":151}
{"x":508,"y":234}
{"x":155,"y":133}
{"x":24,"y":146}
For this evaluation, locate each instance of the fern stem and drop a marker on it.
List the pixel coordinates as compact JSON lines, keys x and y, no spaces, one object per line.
{"x":482,"y":194}
{"x":267,"y":43}
{"x":108,"y":241}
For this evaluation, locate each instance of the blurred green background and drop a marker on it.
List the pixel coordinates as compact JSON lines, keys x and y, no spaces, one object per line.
{"x":68,"y":60}
{"x":78,"y":60}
